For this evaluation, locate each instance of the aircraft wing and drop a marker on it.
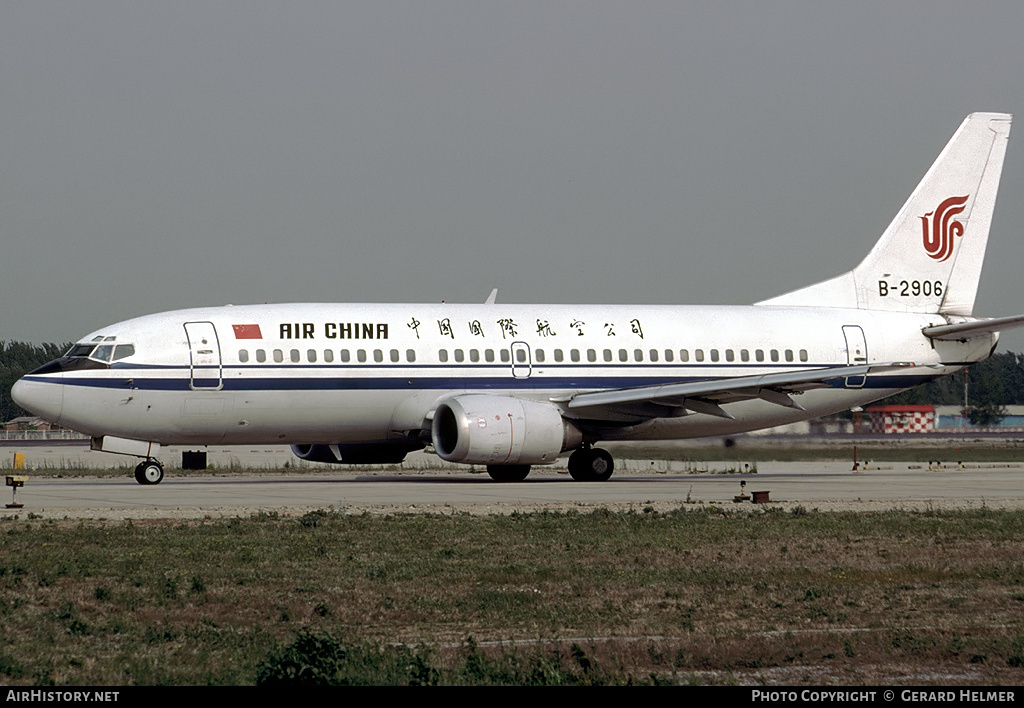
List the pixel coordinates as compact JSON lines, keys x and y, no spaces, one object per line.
{"x":678,"y":399}
{"x":966,"y":330}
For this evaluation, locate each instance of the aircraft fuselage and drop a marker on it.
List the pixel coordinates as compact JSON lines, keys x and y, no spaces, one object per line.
{"x":320,"y":373}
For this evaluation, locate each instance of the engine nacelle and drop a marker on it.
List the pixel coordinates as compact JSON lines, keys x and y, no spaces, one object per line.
{"x":501,"y":430}
{"x":355,"y":453}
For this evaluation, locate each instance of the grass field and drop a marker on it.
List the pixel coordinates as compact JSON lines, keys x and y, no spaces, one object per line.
{"x":702,"y":595}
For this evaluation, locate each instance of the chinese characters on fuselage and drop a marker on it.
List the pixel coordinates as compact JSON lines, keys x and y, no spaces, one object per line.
{"x":508,"y":327}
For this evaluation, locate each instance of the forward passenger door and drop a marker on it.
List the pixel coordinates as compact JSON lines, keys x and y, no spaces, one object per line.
{"x":205,"y":369}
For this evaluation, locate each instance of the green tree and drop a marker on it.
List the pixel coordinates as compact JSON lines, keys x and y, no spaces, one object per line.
{"x":16,"y":360}
{"x":986,"y":415}
{"x":996,"y":382}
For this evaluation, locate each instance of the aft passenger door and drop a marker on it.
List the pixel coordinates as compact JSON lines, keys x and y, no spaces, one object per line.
{"x":205,"y":372}
{"x":856,"y":353}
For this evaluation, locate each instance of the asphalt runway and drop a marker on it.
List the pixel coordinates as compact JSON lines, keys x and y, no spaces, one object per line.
{"x":636,"y":484}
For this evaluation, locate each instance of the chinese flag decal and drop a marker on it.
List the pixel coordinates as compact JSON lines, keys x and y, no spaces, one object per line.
{"x":249,"y":331}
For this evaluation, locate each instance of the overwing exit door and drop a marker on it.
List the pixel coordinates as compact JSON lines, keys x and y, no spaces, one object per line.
{"x":521,"y":360}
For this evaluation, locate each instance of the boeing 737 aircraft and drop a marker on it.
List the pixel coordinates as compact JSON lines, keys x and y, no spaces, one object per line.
{"x":510,"y":386}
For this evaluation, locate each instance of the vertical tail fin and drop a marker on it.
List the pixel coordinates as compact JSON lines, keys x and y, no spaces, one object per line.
{"x":929,"y":259}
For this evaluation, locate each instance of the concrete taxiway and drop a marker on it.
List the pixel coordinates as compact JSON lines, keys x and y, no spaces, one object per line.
{"x":637,"y":484}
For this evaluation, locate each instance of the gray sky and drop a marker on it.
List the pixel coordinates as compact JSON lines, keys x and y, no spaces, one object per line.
{"x":155,"y":156}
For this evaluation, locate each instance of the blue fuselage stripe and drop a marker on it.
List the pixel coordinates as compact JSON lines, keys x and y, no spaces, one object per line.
{"x":412,"y":382}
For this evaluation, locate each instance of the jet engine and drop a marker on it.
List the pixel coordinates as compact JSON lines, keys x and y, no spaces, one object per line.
{"x":501,"y":430}
{"x":355,"y":453}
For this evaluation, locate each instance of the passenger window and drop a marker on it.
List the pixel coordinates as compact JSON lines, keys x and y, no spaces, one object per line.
{"x":311,"y":356}
{"x":759,"y":354}
{"x":638,"y":354}
{"x":361,"y":355}
{"x":460,"y":356}
{"x":607,"y":354}
{"x":729,"y":355}
{"x":654,"y":354}
{"x":714,"y":355}
{"x":488,"y":355}
{"x":591,"y":355}
{"x":345,"y":356}
{"x":698,"y":355}
{"x":474,"y":355}
{"x":243,"y":355}
{"x":521,"y":356}
{"x":684,"y":355}
{"x":442,"y":356}
{"x":278,"y":356}
{"x":294,"y":355}
{"x":789,"y":355}
{"x":395,"y":357}
{"x":378,"y":355}
{"x":261,"y":356}
{"x":505,"y":356}
{"x":410,"y":355}
{"x":328,"y":355}
{"x":775,"y":354}
{"x":538,"y":354}
{"x":744,"y":355}
{"x":574,"y":355}
{"x":558,"y":355}
{"x":623,"y":355}
{"x":670,"y":355}
{"x":803,"y":355}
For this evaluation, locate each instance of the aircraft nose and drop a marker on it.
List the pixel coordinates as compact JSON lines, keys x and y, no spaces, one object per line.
{"x":41,"y":397}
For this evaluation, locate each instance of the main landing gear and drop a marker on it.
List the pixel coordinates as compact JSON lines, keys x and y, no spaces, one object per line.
{"x":588,"y":464}
{"x":149,"y":472}
{"x":591,"y":464}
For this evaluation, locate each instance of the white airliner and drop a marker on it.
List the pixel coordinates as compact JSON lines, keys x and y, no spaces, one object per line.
{"x":510,"y":386}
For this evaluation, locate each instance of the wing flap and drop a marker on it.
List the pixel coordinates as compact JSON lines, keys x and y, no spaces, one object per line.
{"x":709,"y":396}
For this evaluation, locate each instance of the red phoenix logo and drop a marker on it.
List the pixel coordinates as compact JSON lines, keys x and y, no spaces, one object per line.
{"x":939,"y":233}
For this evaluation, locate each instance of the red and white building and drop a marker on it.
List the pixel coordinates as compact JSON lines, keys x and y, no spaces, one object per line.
{"x":902,"y":419}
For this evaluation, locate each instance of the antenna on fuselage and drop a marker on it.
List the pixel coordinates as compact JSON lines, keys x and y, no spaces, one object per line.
{"x":491,"y":298}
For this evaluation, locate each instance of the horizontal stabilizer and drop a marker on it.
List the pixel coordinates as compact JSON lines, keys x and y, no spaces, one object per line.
{"x":967,"y":330}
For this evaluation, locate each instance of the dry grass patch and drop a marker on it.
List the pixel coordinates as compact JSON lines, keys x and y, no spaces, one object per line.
{"x":701,"y":595}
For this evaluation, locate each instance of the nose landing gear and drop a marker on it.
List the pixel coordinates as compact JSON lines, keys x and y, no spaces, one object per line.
{"x":149,"y":472}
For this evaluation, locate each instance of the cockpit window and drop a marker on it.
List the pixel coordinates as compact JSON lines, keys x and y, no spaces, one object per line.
{"x":104,"y":352}
{"x":123,"y":351}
